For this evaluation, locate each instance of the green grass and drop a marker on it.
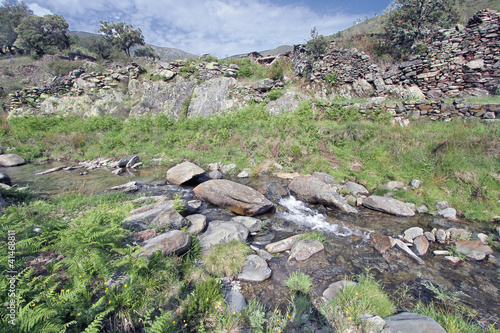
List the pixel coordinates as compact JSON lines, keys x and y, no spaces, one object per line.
{"x":299,"y":282}
{"x":319,"y":236}
{"x":226,"y":259}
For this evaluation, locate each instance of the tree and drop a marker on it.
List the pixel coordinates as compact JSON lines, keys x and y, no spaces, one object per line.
{"x":147,"y":52}
{"x":122,"y":35}
{"x":41,"y":34}
{"x":98,"y":45}
{"x":11,"y":15}
{"x":317,"y":44}
{"x":411,"y":21}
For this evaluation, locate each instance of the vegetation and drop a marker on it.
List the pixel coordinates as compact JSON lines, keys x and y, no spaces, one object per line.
{"x":226,"y":259}
{"x":11,"y":15}
{"x":42,"y":34}
{"x":147,"y":52}
{"x":122,"y":35}
{"x":299,"y":282}
{"x":317,"y":44}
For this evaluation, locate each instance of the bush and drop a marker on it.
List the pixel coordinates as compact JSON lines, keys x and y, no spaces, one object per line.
{"x":299,"y":282}
{"x":203,"y":301}
{"x":226,"y":259}
{"x":61,"y":67}
{"x":331,"y":78}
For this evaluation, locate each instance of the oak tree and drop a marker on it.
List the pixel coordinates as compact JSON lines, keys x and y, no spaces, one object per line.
{"x":122,"y":35}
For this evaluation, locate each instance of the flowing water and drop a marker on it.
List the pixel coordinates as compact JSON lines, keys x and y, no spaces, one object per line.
{"x":347,"y":246}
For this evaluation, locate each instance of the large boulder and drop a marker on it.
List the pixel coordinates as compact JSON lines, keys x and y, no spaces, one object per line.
{"x":411,"y":323}
{"x":183,"y":172}
{"x":222,"y":232}
{"x":255,"y":269}
{"x":10,"y":160}
{"x":173,"y":242}
{"x":239,"y":198}
{"x":473,"y":249}
{"x":263,"y":85}
{"x":315,"y":191}
{"x":388,"y":205}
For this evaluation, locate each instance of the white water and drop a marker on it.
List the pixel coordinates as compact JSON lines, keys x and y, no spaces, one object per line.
{"x":300,"y":214}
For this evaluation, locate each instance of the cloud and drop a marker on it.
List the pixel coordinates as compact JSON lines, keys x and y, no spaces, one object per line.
{"x":218,"y":27}
{"x":39,"y":11}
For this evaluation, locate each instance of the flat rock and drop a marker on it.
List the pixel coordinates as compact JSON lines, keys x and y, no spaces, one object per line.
{"x":421,"y":245}
{"x":5,"y":179}
{"x":255,"y":269}
{"x":173,"y":242}
{"x":355,"y":188}
{"x":304,"y":249}
{"x":449,"y":213}
{"x":263,"y":85}
{"x":440,"y":205}
{"x":392,"y":185}
{"x":325,"y":178}
{"x":382,"y":243}
{"x":453,"y":259}
{"x":408,"y":322}
{"x":235,"y":301}
{"x":458,"y":234}
{"x":406,"y":249}
{"x":183,"y":172}
{"x":412,"y":233}
{"x":252,"y":224}
{"x":473,"y":249}
{"x":10,"y":160}
{"x":222,"y":232}
{"x":282,"y":245}
{"x":388,"y":205}
{"x":334,"y":288}
{"x":245,"y":173}
{"x":239,"y":198}
{"x":197,"y":223}
{"x":430,"y":236}
{"x":169,"y":218}
{"x":441,"y":236}
{"x":51,"y":170}
{"x":422,"y":209}
{"x":315,"y":191}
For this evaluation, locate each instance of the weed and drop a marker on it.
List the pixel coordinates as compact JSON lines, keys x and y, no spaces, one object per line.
{"x":202,"y":302}
{"x":226,"y":259}
{"x":331,"y":78}
{"x":319,"y":236}
{"x":178,"y":204}
{"x":275,"y":94}
{"x":299,"y":282}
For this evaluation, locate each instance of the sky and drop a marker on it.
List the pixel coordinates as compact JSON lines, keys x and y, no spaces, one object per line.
{"x":218,"y":27}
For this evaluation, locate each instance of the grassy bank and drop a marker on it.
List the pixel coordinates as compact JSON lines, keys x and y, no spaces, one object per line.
{"x":457,"y":161}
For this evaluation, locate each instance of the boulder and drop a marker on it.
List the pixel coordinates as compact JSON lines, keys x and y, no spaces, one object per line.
{"x":388,"y":205}
{"x":382,"y":243}
{"x":142,"y":220}
{"x":128,"y":161}
{"x":421,"y":245}
{"x":449,"y":213}
{"x":411,"y":233}
{"x":5,"y":179}
{"x":239,"y":198}
{"x":415,"y":183}
{"x":440,"y":205}
{"x":197,"y":223}
{"x":183,"y":172}
{"x":325,"y":178}
{"x":252,"y":224}
{"x":222,"y":232}
{"x":304,"y":249}
{"x":10,"y":160}
{"x":355,"y":188}
{"x":282,"y":245}
{"x":172,"y":242}
{"x":441,"y":236}
{"x":235,"y":301}
{"x":255,"y":269}
{"x":473,"y":249}
{"x":334,"y":288}
{"x":245,"y":173}
{"x":313,"y":190}
{"x":263,"y":85}
{"x":169,"y":218}
{"x":392,"y":185}
{"x":411,"y":323}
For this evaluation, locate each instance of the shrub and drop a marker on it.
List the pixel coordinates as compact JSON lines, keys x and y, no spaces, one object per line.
{"x":202,"y":302}
{"x":319,"y":236}
{"x":275,"y":94}
{"x":299,"y":282}
{"x":331,"y":78}
{"x":226,"y":259}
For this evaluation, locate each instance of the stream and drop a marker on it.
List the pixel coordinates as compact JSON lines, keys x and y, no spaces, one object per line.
{"x":347,"y":247}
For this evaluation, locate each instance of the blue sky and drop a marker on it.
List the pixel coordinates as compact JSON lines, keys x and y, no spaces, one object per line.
{"x":218,"y":27}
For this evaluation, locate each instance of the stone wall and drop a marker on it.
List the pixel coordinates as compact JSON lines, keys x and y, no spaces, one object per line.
{"x":463,"y":61}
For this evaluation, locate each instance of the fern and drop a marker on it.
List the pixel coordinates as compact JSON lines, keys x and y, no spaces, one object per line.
{"x":163,"y":324}
{"x":97,"y":323}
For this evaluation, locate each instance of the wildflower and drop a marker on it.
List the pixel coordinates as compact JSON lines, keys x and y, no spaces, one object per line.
{"x":277,"y":320}
{"x":185,"y":325}
{"x":62,"y":290}
{"x":347,"y":312}
{"x":32,"y":304}
{"x":140,"y":266}
{"x":79,"y":314}
{"x":53,"y":298}
{"x":173,"y":322}
{"x":350,"y":318}
{"x":207,"y":299}
{"x":125,"y":286}
{"x":234,"y":313}
{"x":109,"y":302}
{"x":288,"y":316}
{"x":67,"y":290}
{"x":277,"y":311}
{"x":80,"y":276}
{"x":357,"y":294}
{"x":105,"y":283}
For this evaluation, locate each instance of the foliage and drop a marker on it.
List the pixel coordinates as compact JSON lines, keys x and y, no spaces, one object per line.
{"x":60,"y":67}
{"x":42,"y":34}
{"x":178,"y":205}
{"x":147,"y":52}
{"x":317,"y":44}
{"x":275,"y":94}
{"x":411,"y":21}
{"x":331,"y":78}
{"x":299,"y":282}
{"x":122,"y":35}
{"x":11,"y":15}
{"x":98,"y":45}
{"x":203,"y":301}
{"x":226,"y":259}
{"x":319,"y":236}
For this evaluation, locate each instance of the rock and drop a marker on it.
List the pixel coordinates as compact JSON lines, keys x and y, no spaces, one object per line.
{"x":376,"y":323}
{"x":421,"y":245}
{"x":440,"y":205}
{"x":422,"y":209}
{"x":415,"y":183}
{"x":240,"y":199}
{"x":226,"y":168}
{"x":458,"y":234}
{"x":183,"y":172}
{"x":475,"y":64}
{"x":267,"y":166}
{"x":473,"y":249}
{"x":141,"y":218}
{"x":197,"y":223}
{"x":388,"y":205}
{"x":169,"y":218}
{"x":192,"y":206}
{"x":255,"y":269}
{"x":313,"y":190}
{"x":282,"y":245}
{"x":263,"y":254}
{"x":134,"y":162}
{"x":483,"y":238}
{"x":430,"y":236}
{"x":453,"y":259}
{"x":252,"y":224}
{"x":172,"y":242}
{"x":211,"y":97}
{"x":304,"y":249}
{"x":5,"y":179}
{"x":405,"y":248}
{"x":215,"y":174}
{"x":440,"y":253}
{"x":263,"y":85}
{"x":382,"y":243}
{"x":51,"y":170}
{"x":362,"y":88}
{"x":118,"y":171}
{"x":449,"y":213}
{"x":124,"y":186}
{"x":441,"y":236}
{"x":222,"y":232}
{"x":412,"y":233}
{"x":125,"y":162}
{"x":355,"y":188}
{"x":10,"y":160}
{"x":245,"y":173}
{"x":325,"y":178}
{"x":235,"y":301}
{"x":392,"y":185}
{"x":334,"y":288}
{"x":411,"y":323}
